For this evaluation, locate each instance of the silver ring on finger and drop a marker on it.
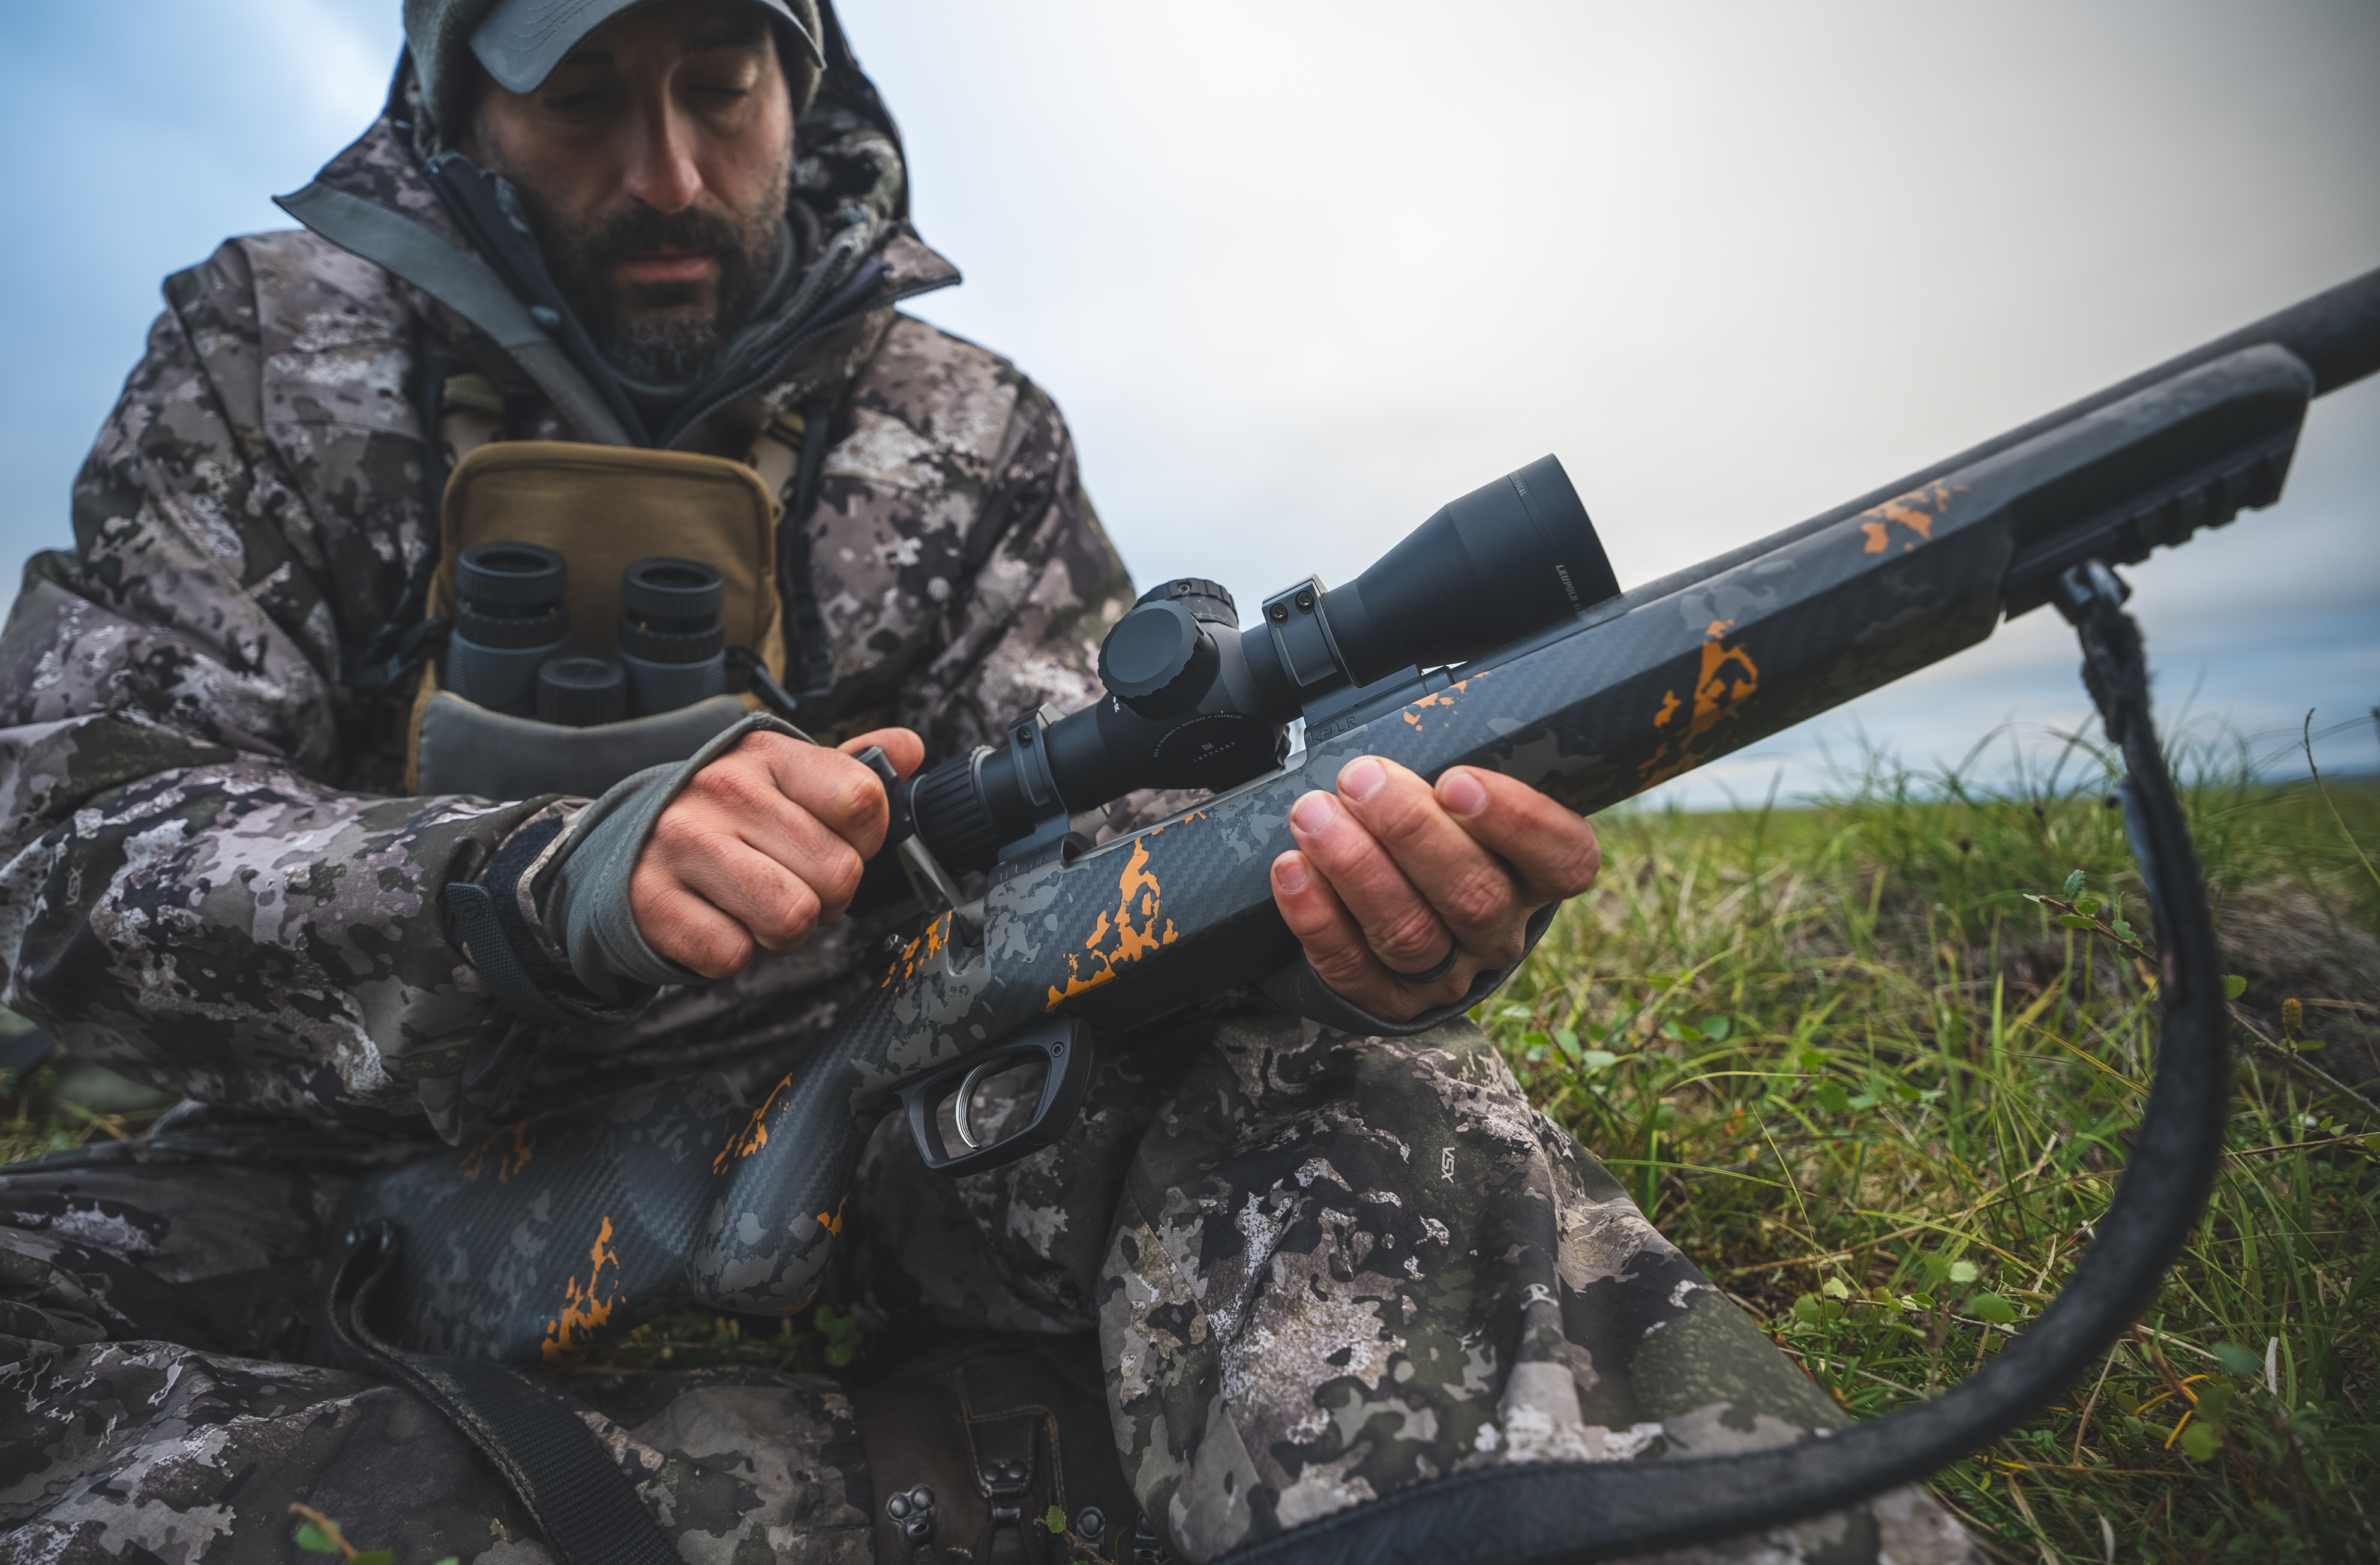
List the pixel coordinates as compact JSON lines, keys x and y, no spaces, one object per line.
{"x":1431,"y":974}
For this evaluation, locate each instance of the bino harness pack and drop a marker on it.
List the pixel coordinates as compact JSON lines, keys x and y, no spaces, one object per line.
{"x":603,"y":609}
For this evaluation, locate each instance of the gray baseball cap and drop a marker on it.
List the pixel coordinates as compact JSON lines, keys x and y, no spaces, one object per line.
{"x":522,"y":40}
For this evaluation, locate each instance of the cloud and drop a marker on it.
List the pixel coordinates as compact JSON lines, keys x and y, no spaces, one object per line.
{"x":1300,"y":274}
{"x":141,"y":134}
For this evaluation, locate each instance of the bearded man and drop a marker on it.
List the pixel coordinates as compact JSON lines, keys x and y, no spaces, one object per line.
{"x":1232,"y":1302}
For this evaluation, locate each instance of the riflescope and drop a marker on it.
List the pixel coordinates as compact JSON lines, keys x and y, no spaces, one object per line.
{"x":1196,"y":702}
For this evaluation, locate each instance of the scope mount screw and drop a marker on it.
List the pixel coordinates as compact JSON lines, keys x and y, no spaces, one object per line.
{"x":1305,"y":600}
{"x":1280,"y":613}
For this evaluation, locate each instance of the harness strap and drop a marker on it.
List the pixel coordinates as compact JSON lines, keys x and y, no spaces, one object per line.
{"x":465,"y":283}
{"x":793,"y":451}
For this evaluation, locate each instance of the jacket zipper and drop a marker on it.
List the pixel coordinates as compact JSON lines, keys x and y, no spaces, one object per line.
{"x":684,"y":426}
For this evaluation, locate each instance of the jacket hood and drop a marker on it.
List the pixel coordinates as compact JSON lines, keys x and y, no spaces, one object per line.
{"x":438,"y":37}
{"x":398,"y":198}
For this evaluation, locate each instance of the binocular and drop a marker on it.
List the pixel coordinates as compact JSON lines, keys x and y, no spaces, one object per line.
{"x":510,"y":650}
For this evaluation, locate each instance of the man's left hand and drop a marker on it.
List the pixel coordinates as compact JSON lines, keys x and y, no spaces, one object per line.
{"x":1390,"y":876}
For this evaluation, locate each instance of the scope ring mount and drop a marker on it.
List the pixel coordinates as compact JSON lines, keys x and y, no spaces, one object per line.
{"x":1572,"y":1513}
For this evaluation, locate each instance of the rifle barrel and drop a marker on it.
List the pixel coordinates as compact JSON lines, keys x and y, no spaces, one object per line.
{"x":2335,"y":334}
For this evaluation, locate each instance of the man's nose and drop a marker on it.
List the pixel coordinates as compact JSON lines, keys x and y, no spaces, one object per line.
{"x":660,"y":170}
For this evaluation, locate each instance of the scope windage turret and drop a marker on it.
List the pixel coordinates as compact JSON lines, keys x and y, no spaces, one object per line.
{"x":1196,"y":702}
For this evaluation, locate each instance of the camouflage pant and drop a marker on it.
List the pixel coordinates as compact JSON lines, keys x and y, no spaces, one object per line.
{"x":1321,"y":1268}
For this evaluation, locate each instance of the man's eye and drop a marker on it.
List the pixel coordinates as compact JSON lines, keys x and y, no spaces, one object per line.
{"x":573,"y":106}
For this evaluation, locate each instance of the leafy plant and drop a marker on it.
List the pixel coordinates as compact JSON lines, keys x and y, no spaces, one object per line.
{"x":317,"y":1534}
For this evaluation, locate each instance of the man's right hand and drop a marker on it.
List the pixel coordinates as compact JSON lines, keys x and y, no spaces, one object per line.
{"x":763,"y":848}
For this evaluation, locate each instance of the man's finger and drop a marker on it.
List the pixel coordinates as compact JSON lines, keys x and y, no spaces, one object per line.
{"x":740,"y":801}
{"x":1466,"y":884}
{"x":843,"y":795}
{"x":1399,"y":925}
{"x":684,"y":927}
{"x":1342,"y":954}
{"x":903,"y":747}
{"x":1334,"y":942}
{"x":779,"y":908}
{"x":1551,"y":848}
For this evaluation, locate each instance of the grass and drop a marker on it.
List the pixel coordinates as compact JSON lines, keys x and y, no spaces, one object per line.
{"x":1881,"y":1096}
{"x":1840,"y":1057}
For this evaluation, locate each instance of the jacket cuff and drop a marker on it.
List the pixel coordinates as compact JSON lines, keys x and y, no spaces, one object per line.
{"x":488,"y":923}
{"x":1299,"y":989}
{"x":547,"y":925}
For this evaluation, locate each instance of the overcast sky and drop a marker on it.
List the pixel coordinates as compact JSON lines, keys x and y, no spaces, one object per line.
{"x":1299,"y":273}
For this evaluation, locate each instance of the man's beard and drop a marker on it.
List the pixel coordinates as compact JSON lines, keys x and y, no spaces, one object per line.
{"x":654,"y":339}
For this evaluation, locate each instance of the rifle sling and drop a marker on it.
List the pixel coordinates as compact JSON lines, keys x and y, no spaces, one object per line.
{"x":586,"y":1509}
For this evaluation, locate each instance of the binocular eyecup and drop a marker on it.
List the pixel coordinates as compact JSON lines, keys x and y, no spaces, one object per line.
{"x":513,"y":616}
{"x":669,"y":639}
{"x":510,"y":649}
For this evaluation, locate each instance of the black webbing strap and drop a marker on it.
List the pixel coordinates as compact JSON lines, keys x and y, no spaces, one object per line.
{"x":588,"y":1509}
{"x":406,"y":638}
{"x":809,"y":643}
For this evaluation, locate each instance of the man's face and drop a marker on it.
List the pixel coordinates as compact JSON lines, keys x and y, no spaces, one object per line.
{"x":653,"y":164}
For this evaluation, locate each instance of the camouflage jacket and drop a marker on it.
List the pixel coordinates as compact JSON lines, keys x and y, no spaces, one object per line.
{"x":207,"y":880}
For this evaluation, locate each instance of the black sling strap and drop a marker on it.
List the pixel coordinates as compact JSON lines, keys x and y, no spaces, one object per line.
{"x":807,"y":640}
{"x":588,"y":1511}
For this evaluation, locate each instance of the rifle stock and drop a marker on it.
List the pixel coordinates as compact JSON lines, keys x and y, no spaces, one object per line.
{"x":543,"y":1237}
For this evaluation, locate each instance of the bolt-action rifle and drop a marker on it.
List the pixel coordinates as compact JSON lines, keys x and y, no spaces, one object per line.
{"x":1495,"y":636}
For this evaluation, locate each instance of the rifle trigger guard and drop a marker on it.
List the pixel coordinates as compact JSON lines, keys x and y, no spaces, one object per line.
{"x":1061,"y":1044}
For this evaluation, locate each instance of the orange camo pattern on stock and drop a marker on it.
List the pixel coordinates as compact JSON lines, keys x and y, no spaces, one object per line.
{"x":585,"y":1306}
{"x":1727,"y":682}
{"x":1441,"y":699}
{"x":1909,"y":511}
{"x":927,"y":945}
{"x":507,"y":1149}
{"x":1119,"y":939}
{"x":755,"y":1133}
